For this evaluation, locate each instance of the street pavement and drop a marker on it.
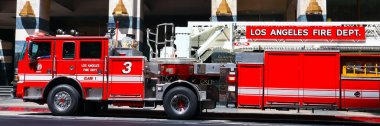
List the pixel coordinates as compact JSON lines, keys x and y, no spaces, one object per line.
{"x":45,"y":120}
{"x":14,"y":111}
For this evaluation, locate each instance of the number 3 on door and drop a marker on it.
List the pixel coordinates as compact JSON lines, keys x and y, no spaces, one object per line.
{"x":128,"y":68}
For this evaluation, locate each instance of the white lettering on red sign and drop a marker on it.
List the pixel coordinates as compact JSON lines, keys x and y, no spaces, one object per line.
{"x":306,"y":32}
{"x":90,"y":67}
{"x":128,"y":67}
{"x":89,"y":78}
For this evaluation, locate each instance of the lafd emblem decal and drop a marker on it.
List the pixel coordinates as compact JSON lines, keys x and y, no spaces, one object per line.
{"x":39,"y":67}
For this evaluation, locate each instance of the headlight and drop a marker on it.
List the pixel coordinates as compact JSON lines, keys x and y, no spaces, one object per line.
{"x":17,"y":78}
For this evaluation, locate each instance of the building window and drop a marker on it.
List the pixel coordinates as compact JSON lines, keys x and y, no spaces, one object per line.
{"x":90,"y":50}
{"x":68,"y":50}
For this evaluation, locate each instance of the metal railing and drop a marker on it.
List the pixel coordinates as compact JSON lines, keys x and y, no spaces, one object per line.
{"x":361,"y":71}
{"x":167,"y":27}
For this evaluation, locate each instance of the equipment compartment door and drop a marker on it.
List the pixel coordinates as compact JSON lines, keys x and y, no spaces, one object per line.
{"x":250,"y":84}
{"x":282,"y":79}
{"x":360,"y":93}
{"x":321,"y":79}
{"x":127,"y":80}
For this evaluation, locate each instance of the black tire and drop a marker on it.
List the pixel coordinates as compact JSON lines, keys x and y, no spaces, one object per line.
{"x":64,"y":100}
{"x":183,"y":98}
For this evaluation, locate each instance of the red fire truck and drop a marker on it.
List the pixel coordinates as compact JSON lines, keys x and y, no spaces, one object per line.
{"x":273,"y":66}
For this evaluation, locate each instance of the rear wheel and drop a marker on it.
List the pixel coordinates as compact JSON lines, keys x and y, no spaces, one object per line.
{"x":180,"y":103}
{"x":64,"y":100}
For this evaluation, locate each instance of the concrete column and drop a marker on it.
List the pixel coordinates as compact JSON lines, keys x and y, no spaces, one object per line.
{"x":6,"y":63}
{"x":129,"y":14}
{"x":311,"y":10}
{"x":36,"y":20}
{"x":291,"y":11}
{"x":32,"y":16}
{"x":223,"y":10}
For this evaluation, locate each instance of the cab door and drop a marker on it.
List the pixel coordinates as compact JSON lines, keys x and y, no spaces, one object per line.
{"x":39,"y":69}
{"x":90,"y":68}
{"x":66,"y":58}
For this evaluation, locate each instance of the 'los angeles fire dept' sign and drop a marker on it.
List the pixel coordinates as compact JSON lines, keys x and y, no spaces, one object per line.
{"x":306,"y":32}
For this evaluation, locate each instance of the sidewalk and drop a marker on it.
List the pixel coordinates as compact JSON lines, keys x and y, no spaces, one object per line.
{"x":9,"y":104}
{"x":360,"y":116}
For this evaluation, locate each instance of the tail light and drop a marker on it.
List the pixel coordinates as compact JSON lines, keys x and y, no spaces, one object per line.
{"x":231,"y":79}
{"x":231,"y":82}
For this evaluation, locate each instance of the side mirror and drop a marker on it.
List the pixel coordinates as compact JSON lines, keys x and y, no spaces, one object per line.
{"x":34,"y":59}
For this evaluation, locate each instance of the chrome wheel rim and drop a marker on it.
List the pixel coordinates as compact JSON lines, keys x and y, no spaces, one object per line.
{"x":180,"y":103}
{"x":62,"y":100}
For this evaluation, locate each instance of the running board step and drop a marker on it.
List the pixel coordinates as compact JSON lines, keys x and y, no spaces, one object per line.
{"x":149,"y":105}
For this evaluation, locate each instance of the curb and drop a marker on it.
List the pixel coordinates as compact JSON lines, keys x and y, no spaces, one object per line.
{"x":361,"y":119}
{"x":24,"y":109}
{"x":280,"y":118}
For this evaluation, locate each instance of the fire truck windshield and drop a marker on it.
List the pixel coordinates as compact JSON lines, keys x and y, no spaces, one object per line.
{"x":20,"y":55}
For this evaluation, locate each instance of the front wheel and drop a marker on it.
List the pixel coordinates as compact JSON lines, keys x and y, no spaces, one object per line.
{"x":64,"y":100}
{"x":180,"y":103}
